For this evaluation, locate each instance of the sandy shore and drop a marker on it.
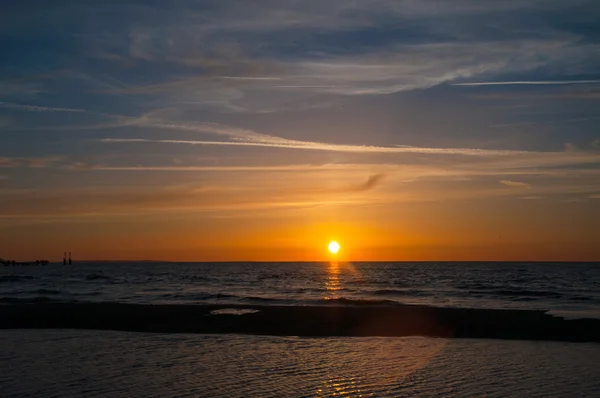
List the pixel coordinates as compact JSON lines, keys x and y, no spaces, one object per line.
{"x":400,"y":320}
{"x":89,"y":363}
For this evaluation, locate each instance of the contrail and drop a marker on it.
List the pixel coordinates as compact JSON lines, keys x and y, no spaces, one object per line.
{"x":528,"y":83}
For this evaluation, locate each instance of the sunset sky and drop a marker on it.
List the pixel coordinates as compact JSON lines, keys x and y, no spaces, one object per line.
{"x":194,"y":130}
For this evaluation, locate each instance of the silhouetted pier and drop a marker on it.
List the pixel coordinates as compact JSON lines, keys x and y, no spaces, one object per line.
{"x":13,"y":263}
{"x":67,"y":261}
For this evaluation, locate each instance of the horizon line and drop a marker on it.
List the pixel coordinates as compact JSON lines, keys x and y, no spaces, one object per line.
{"x":326,"y":261}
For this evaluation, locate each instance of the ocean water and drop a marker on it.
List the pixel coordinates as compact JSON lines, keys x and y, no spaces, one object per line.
{"x":75,"y":363}
{"x":52,"y":362}
{"x":569,"y":290}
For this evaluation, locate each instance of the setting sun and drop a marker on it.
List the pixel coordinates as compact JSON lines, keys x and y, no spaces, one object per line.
{"x":333,"y":247}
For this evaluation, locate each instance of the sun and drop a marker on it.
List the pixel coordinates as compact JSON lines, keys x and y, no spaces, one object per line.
{"x":333,"y":247}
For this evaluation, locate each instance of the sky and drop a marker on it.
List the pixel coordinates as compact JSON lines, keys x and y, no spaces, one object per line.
{"x":235,"y":130}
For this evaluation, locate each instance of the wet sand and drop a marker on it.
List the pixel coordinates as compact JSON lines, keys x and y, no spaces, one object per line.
{"x":86,"y":363}
{"x":309,"y":321}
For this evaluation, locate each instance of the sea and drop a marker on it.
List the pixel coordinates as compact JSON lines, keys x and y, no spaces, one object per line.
{"x":59,"y":362}
{"x":569,"y":290}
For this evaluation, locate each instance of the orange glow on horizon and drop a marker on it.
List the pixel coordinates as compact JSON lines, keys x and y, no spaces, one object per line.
{"x":422,"y":236}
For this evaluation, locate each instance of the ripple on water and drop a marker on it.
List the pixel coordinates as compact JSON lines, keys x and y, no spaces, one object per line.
{"x":118,"y":364}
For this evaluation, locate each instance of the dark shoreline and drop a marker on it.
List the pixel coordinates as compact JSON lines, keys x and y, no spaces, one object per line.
{"x":306,"y":321}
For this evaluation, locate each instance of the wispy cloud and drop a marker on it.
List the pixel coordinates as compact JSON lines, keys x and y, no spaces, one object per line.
{"x":174,"y":199}
{"x":553,"y":121}
{"x":390,"y":69}
{"x":372,"y":182}
{"x":9,"y":162}
{"x":268,"y":56}
{"x":272,"y":63}
{"x":35,"y":108}
{"x":404,"y":171}
{"x":528,"y":83}
{"x":320,"y":146}
{"x":496,"y":158}
{"x":297,"y":193}
{"x":515,"y":184}
{"x":245,"y":137}
{"x":225,"y":169}
{"x":32,"y":162}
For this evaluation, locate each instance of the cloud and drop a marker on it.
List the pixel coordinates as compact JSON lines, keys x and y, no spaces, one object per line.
{"x":282,"y":55}
{"x":515,"y":184}
{"x":32,"y":162}
{"x":571,"y":120}
{"x":265,"y":194}
{"x":372,"y":182}
{"x":494,"y":158}
{"x":532,"y":95}
{"x":265,"y":56}
{"x":225,"y":169}
{"x":320,"y":146}
{"x":249,"y":138}
{"x":527,"y":83}
{"x":34,"y":108}
{"x":499,"y":161}
{"x":91,"y":202}
{"x":25,"y":90}
{"x":269,"y":85}
{"x":458,"y":171}
{"x":9,"y":162}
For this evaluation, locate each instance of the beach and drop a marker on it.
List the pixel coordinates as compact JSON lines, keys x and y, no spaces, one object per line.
{"x":307,"y":321}
{"x":300,"y":330}
{"x":67,"y":363}
{"x":285,"y":198}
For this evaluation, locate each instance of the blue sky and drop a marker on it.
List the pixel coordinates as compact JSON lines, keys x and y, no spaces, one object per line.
{"x":213,"y":109}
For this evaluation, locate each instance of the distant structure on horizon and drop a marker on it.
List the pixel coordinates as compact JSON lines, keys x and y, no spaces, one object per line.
{"x":9,"y":263}
{"x":65,"y":259}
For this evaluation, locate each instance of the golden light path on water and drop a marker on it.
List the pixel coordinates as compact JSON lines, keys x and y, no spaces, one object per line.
{"x":352,"y":383}
{"x":78,"y":363}
{"x":333,"y":283}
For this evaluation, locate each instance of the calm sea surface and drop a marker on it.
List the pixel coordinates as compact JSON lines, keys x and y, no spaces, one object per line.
{"x":569,"y":290}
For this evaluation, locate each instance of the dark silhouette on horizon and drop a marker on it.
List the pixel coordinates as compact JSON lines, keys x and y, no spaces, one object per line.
{"x":13,"y":263}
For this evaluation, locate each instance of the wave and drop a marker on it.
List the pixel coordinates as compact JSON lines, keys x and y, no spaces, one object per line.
{"x":218,"y":297}
{"x":93,"y":277}
{"x":199,"y":296}
{"x":29,"y":300}
{"x":355,"y":302}
{"x":526,"y":293}
{"x":582,"y":298}
{"x":15,"y":278}
{"x":264,"y":299}
{"x":48,"y":291}
{"x":394,"y":292}
{"x":222,"y":296}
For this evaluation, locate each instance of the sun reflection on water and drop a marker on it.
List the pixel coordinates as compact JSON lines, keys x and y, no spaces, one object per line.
{"x":342,"y":281}
{"x":333,"y":284}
